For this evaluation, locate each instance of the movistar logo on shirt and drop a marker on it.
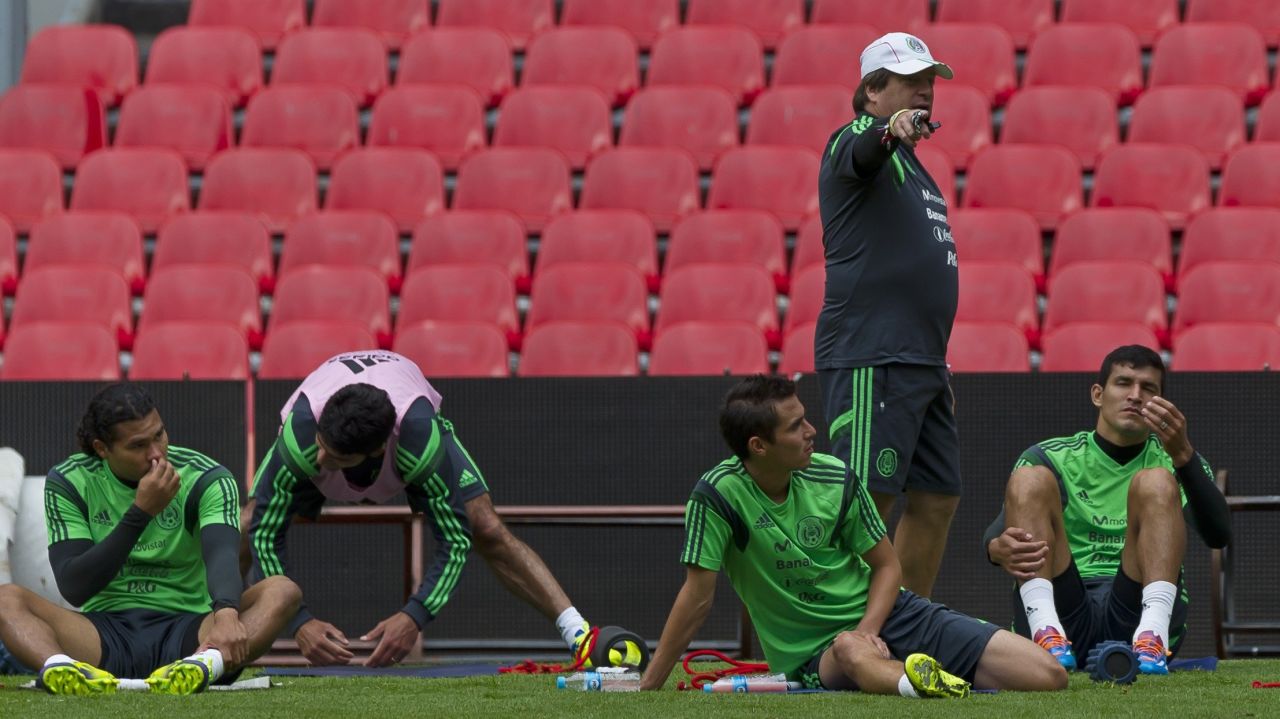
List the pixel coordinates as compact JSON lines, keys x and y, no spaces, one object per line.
{"x":467,"y":479}
{"x":102,"y":518}
{"x":764,"y":522}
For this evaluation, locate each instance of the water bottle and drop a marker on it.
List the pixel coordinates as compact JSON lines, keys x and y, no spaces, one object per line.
{"x":738,"y":683}
{"x":601,"y":681}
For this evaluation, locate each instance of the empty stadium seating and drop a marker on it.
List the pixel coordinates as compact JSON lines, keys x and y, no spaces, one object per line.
{"x":1118,"y":233}
{"x":320,"y":120}
{"x":323,"y":292}
{"x":808,"y":289}
{"x":980,"y":54}
{"x":1227,"y":347}
{"x":1224,"y":291}
{"x":938,"y":164}
{"x":1110,"y":291}
{"x":709,"y":348}
{"x":189,"y":350}
{"x":1261,"y":15}
{"x":573,"y":120}
{"x":276,"y":183}
{"x":800,"y":115}
{"x":1103,"y":55}
{"x":454,"y":349}
{"x":519,"y":20}
{"x":75,"y":292}
{"x":809,"y":250}
{"x":1041,"y":179}
{"x":644,"y":20}
{"x":726,"y":56}
{"x":1171,"y":178}
{"x":193,"y":120}
{"x":822,"y":54}
{"x":104,"y":239}
{"x":393,"y":20}
{"x":1238,"y":234}
{"x":797,"y":350}
{"x":344,"y":238}
{"x":999,"y":292}
{"x":149,"y":184}
{"x":906,"y":15}
{"x":1204,"y":53}
{"x":1080,"y":346}
{"x":1021,"y":20}
{"x":407,"y":184}
{"x":590,"y":291}
{"x":779,"y":179}
{"x":1209,"y":118}
{"x":718,"y":292}
{"x":661,"y":182}
{"x":625,"y":236}
{"x":1146,"y":19}
{"x":207,"y":293}
{"x":210,"y":238}
{"x":1251,"y":176}
{"x":470,"y":292}
{"x":579,"y":349}
{"x":293,"y":350}
{"x":749,"y":236}
{"x":487,"y":237}
{"x":64,"y":120}
{"x":1266,"y":126}
{"x":350,"y":58}
{"x":999,"y":235}
{"x":448,"y":120}
{"x":701,"y":120}
{"x":532,"y":182}
{"x":269,"y":20}
{"x":1082,"y":119}
{"x":603,"y":58}
{"x":226,"y":57}
{"x":987,"y":347}
{"x":8,"y":263}
{"x":101,"y":57}
{"x":966,"y":114}
{"x":60,"y":350}
{"x":477,"y":57}
{"x":30,"y":186}
{"x":768,"y":19}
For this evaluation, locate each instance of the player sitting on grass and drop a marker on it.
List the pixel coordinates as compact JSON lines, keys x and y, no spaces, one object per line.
{"x":1093,"y":526}
{"x":805,"y":550}
{"x":143,"y":536}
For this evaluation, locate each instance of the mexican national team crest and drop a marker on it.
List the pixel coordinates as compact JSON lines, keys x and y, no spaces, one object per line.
{"x":169,"y":518}
{"x":915,"y":45}
{"x":809,"y":532}
{"x":887,"y":462}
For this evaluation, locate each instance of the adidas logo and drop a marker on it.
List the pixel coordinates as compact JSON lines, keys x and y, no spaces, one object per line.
{"x":103,"y":518}
{"x":467,"y":479}
{"x":1084,"y":497}
{"x":764,"y":522}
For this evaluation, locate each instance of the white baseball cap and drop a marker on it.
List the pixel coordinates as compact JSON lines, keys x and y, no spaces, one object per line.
{"x":901,"y":54}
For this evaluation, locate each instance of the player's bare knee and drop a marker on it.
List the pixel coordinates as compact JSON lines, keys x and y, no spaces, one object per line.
{"x":13,"y":599}
{"x":1032,"y":487}
{"x":1047,"y":674}
{"x":849,"y":652}
{"x":1154,"y":487}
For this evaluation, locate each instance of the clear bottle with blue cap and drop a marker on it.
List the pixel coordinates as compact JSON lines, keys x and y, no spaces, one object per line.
{"x":606,"y":679}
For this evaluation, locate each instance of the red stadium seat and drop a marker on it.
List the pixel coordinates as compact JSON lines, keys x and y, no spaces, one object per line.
{"x":987,"y":347}
{"x":799,"y":115}
{"x":8,"y":263}
{"x":350,"y":58}
{"x":1260,"y":14}
{"x":455,"y":349}
{"x":60,"y":350}
{"x":194,"y":120}
{"x":477,"y":57}
{"x":720,"y":293}
{"x":102,"y":239}
{"x":768,"y":19}
{"x":661,"y":182}
{"x":1207,"y":117}
{"x":591,"y":291}
{"x":227,"y":57}
{"x":229,"y":238}
{"x":1043,"y":180}
{"x":268,"y":19}
{"x":966,"y":114}
{"x":999,"y":235}
{"x":30,"y":187}
{"x":323,"y":292}
{"x":808,"y":289}
{"x":821,"y":55}
{"x":405,"y":183}
{"x":1146,"y":19}
{"x":293,"y":350}
{"x":448,"y":120}
{"x":777,"y":179}
{"x":1238,"y":234}
{"x":150,"y":184}
{"x":726,"y":56}
{"x":487,"y":237}
{"x":277,"y":183}
{"x":1171,"y":178}
{"x":64,"y":120}
{"x":1082,"y":119}
{"x":809,"y":250}
{"x":519,"y":20}
{"x":101,"y":57}
{"x":1227,"y":347}
{"x":645,"y":20}
{"x":344,"y":238}
{"x":999,"y":292}
{"x":471,"y":292}
{"x":1117,"y":233}
{"x":709,"y":348}
{"x":603,"y":58}
{"x":205,"y":293}
{"x":797,"y":350}
{"x":980,"y":54}
{"x":906,"y":15}
{"x":320,"y":120}
{"x":573,"y":120}
{"x":393,"y":20}
{"x":532,"y":182}
{"x":1267,"y":124}
{"x":1080,"y":346}
{"x":1108,"y":291}
{"x":1220,"y":292}
{"x":939,"y":166}
{"x":190,"y":350}
{"x":1251,"y":176}
{"x":1095,"y":54}
{"x":625,"y":236}
{"x":750,"y":236}
{"x":701,"y":120}
{"x":71,"y":292}
{"x":579,"y":349}
{"x":1227,"y":54}
{"x":1022,"y":20}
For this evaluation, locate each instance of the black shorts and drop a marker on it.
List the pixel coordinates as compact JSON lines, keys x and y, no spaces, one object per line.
{"x":894,"y":426}
{"x":915,"y":624}
{"x":136,"y":642}
{"x":1101,"y":609}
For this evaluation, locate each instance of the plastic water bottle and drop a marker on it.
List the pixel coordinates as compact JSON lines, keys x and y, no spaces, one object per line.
{"x":604,"y":680}
{"x":738,"y":683}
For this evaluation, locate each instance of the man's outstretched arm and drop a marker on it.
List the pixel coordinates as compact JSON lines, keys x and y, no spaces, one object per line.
{"x":689,"y":611}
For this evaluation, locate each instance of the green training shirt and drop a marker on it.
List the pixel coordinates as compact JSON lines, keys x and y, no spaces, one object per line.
{"x":165,"y":571}
{"x":1096,"y":495}
{"x":797,"y":566}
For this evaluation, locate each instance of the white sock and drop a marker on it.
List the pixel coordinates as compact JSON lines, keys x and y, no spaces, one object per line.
{"x":905,"y":688}
{"x":215,"y":659}
{"x":569,"y":623}
{"x":1157,"y":607}
{"x":1037,"y":597}
{"x":59,"y":659}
